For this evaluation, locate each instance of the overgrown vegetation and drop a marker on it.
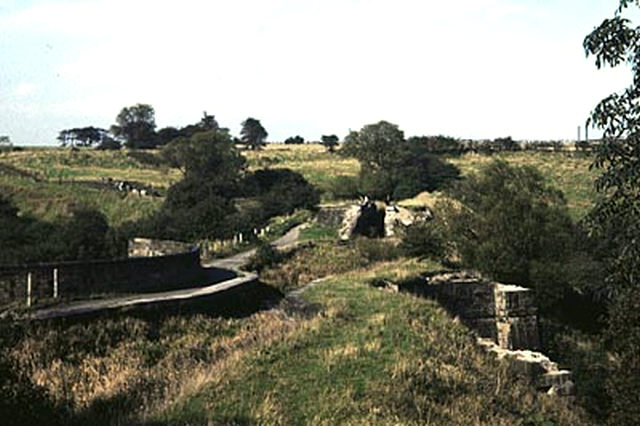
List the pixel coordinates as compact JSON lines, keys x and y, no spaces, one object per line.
{"x":393,"y":168}
{"x":348,"y":353}
{"x":371,"y":357}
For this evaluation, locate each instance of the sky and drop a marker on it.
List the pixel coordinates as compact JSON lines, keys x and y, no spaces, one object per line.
{"x":470,"y":69}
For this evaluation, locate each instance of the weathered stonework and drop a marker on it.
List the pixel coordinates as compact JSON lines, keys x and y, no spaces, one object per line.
{"x":504,"y":313}
{"x":146,"y":247}
{"x":505,"y":318}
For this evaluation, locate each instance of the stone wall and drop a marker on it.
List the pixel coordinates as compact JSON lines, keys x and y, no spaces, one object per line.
{"x":81,"y":279}
{"x":503,"y":313}
{"x":504,"y":317}
{"x":146,"y":247}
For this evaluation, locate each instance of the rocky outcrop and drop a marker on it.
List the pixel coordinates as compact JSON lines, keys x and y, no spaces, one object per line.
{"x":399,"y":218}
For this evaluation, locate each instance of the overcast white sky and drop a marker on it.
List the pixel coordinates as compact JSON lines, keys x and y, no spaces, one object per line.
{"x":465,"y":68}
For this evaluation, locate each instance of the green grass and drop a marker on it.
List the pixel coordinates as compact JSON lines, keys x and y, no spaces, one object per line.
{"x":369,"y":357}
{"x":568,"y":172}
{"x":317,"y":232}
{"x":49,"y":201}
{"x":348,"y":354}
{"x":320,"y":167}
{"x":59,"y":163}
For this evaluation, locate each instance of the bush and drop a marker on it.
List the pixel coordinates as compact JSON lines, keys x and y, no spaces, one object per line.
{"x":376,"y":250}
{"x":623,"y":386}
{"x":266,"y":256}
{"x":424,"y":240}
{"x":508,"y":223}
{"x":280,"y":191}
{"x":345,"y":188}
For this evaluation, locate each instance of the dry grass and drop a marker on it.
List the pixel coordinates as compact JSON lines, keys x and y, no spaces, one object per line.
{"x":128,"y":368}
{"x":371,"y":357}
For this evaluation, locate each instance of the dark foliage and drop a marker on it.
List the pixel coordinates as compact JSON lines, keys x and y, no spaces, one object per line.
{"x":392,"y":168}
{"x":294,"y":140}
{"x":616,"y":219}
{"x":85,"y":235}
{"x":136,"y":126}
{"x":252,"y":133}
{"x":281,"y":191}
{"x":438,"y":144}
{"x":330,"y":142}
{"x":84,"y":136}
{"x":425,"y":239}
{"x":508,"y":223}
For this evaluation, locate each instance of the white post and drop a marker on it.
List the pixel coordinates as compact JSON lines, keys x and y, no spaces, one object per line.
{"x":240,"y":238}
{"x":55,"y":283}
{"x":28,"y":289}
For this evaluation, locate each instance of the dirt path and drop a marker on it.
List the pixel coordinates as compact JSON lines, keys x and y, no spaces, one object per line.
{"x":233,"y":263}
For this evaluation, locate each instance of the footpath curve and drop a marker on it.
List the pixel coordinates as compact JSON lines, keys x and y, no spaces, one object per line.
{"x":233,"y":263}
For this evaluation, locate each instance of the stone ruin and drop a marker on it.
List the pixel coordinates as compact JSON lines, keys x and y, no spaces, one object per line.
{"x":370,"y":218}
{"x":131,"y":187}
{"x":505,"y":318}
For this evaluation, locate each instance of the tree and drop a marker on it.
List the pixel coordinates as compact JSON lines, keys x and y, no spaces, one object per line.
{"x":5,"y":143}
{"x":201,"y":204}
{"x":252,"y":133}
{"x":378,"y":146}
{"x":438,"y":144}
{"x":509,"y":224}
{"x":330,"y":142}
{"x":616,"y":218}
{"x":166,"y":135}
{"x":83,"y":136}
{"x":208,"y":122}
{"x":295,"y":140}
{"x":136,"y":126}
{"x":390,"y":166}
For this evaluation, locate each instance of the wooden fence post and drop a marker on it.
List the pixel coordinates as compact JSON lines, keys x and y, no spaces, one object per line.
{"x":55,"y":283}
{"x":29,"y":290}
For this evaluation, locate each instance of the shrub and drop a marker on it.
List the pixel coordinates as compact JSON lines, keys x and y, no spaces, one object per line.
{"x":623,"y":386}
{"x":376,"y":250}
{"x":266,"y":256}
{"x":345,"y":188}
{"x":508,"y":223}
{"x":424,"y":239}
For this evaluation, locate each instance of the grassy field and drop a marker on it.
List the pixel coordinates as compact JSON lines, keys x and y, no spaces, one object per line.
{"x":59,"y":167}
{"x":345,"y":353}
{"x":314,"y":162}
{"x":568,"y":172}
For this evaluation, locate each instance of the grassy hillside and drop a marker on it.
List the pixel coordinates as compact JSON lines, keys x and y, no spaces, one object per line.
{"x":313,"y":161}
{"x":568,"y":172}
{"x":369,"y":357}
{"x":68,"y":178}
{"x":345,"y":353}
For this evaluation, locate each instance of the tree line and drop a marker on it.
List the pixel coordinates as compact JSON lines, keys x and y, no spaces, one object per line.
{"x":135,"y":128}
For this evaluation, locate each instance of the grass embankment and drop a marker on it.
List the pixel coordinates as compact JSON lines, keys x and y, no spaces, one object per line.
{"x":65,"y":179}
{"x":370,"y":357}
{"x":568,"y":172}
{"x":349,"y":354}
